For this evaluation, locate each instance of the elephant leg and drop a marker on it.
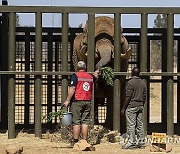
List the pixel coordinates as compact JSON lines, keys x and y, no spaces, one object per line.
{"x":109,"y":113}
{"x":96,"y":102}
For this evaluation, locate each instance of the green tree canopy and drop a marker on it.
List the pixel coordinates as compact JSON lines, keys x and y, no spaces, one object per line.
{"x":17,"y":21}
{"x":160,"y":21}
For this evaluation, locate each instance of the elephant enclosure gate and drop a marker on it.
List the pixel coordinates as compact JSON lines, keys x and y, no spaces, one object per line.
{"x":36,"y":64}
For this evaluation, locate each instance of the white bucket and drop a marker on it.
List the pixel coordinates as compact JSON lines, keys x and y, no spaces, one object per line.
{"x":66,"y":120}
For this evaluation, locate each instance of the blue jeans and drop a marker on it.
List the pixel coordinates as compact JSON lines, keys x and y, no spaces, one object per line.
{"x":134,"y":121}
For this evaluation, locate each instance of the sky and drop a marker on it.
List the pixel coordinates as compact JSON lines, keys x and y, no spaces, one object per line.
{"x":74,"y":20}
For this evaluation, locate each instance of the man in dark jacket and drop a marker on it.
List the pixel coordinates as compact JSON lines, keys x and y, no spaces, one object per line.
{"x":80,"y":93}
{"x":136,"y":92}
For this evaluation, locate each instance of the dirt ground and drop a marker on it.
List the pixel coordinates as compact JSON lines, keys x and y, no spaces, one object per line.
{"x":46,"y":145}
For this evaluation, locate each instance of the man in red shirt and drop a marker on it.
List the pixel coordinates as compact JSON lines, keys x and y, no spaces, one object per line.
{"x":80,"y":92}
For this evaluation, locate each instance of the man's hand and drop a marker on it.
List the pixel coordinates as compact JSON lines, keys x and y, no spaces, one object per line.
{"x":96,"y":74}
{"x":97,"y":71}
{"x":126,"y":103}
{"x":66,"y":103}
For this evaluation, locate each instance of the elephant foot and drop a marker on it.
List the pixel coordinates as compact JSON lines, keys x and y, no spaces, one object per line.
{"x":108,"y":126}
{"x":127,"y":54}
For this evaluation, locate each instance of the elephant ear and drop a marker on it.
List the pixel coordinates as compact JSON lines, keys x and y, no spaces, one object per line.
{"x":76,"y":48}
{"x":79,"y":49}
{"x":79,"y":55}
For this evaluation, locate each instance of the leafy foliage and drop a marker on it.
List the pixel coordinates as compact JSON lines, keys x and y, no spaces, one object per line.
{"x":107,"y":74}
{"x":17,"y":21}
{"x":160,"y":21}
{"x":52,"y":115}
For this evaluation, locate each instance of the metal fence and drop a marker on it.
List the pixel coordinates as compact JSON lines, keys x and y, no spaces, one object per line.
{"x":51,"y":61}
{"x":33,"y":65}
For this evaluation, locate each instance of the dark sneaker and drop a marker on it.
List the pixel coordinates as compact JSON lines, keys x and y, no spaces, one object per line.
{"x":141,"y":146}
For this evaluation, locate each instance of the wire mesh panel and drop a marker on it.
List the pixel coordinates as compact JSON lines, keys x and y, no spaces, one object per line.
{"x":102,"y":110}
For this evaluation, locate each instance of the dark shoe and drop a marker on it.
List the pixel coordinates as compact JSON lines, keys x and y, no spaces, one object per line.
{"x":74,"y":141}
{"x":141,"y":146}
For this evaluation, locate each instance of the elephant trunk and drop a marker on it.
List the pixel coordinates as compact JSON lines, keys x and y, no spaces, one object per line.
{"x":103,"y":50}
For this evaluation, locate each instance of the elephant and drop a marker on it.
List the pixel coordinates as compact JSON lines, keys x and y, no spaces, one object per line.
{"x":104,"y":56}
{"x":104,"y":40}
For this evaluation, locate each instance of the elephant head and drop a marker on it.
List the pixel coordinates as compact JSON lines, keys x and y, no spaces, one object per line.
{"x":104,"y":43}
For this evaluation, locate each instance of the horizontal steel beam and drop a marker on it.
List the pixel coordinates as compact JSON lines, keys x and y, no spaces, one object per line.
{"x":98,"y":10}
{"x":70,"y":73}
{"x":79,"y":30}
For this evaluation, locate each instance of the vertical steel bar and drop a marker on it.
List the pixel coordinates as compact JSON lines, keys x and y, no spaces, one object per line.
{"x":57,"y":56}
{"x":178,"y":86}
{"x":90,"y":59}
{"x":91,"y":42}
{"x":4,"y":67}
{"x":164,"y":83}
{"x":143,"y":58}
{"x":49,"y":93}
{"x":11,"y":80}
{"x":0,"y":65}
{"x":27,"y":78}
{"x":38,"y":82}
{"x":117,"y":66}
{"x":148,"y":81}
{"x":64,"y":85}
{"x":170,"y":66}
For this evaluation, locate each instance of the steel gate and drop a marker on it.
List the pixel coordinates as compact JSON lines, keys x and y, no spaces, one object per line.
{"x":29,"y":70}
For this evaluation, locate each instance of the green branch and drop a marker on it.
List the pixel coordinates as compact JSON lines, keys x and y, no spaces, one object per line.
{"x":108,"y":75}
{"x":52,"y":115}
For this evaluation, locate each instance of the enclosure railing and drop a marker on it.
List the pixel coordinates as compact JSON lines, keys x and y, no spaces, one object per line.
{"x":91,"y":11}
